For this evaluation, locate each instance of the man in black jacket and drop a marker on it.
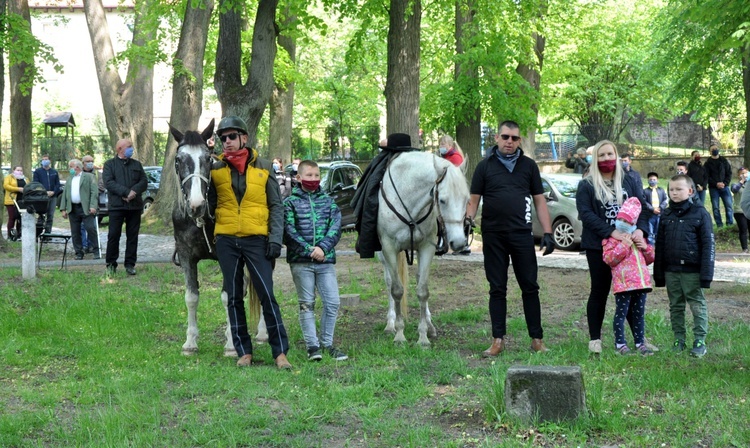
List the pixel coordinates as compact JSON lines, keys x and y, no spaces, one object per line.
{"x":48,"y":176}
{"x":719,"y":174}
{"x":697,"y":172}
{"x":125,"y":181}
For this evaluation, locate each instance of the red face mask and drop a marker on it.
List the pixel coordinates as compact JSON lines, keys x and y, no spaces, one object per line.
{"x":310,"y":185}
{"x":697,"y":158}
{"x":607,"y":166}
{"x":238,"y":159}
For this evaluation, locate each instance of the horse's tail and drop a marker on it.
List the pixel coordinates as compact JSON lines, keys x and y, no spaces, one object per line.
{"x":253,"y":305}
{"x":176,"y":258}
{"x":403,"y":274}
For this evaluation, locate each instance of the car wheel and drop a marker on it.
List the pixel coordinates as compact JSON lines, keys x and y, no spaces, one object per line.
{"x":147,"y":204}
{"x":563,"y":234}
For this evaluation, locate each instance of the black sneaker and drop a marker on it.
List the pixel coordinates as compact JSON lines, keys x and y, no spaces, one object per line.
{"x":313,"y":354}
{"x":336,"y":354}
{"x":678,"y":346}
{"x":130,"y":270}
{"x":111,"y":270}
{"x":699,"y":349}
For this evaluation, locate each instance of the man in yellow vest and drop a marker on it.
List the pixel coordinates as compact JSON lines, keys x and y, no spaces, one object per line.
{"x":249,"y":231}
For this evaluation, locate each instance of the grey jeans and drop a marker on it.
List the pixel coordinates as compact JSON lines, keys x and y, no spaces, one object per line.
{"x":307,"y":277}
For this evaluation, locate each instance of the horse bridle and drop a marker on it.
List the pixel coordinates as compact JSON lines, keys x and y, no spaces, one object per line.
{"x":442,"y":244}
{"x":199,"y":221}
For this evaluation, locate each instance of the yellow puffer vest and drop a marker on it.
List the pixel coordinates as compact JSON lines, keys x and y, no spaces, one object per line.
{"x":250,"y":217}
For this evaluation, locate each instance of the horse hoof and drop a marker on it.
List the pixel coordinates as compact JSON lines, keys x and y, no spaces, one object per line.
{"x":424,"y":345}
{"x":261,"y":340}
{"x":189,"y":351}
{"x":230,"y":353}
{"x":389,"y":330}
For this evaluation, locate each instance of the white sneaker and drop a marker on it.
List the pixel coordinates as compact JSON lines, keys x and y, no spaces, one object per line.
{"x":595,"y":346}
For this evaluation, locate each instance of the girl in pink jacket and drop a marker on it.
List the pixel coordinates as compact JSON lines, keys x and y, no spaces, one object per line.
{"x":630,"y":278}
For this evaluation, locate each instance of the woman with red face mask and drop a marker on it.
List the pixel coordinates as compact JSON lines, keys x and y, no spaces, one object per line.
{"x":598,"y":200}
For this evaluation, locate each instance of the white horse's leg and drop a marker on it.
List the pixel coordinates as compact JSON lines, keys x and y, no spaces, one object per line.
{"x":192,"y":296}
{"x":423,"y":276}
{"x":262,"y":336}
{"x":396,"y":293}
{"x":229,"y":350}
{"x":390,"y":322}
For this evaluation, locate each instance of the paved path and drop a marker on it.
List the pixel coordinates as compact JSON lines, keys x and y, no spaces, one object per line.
{"x":159,"y":249}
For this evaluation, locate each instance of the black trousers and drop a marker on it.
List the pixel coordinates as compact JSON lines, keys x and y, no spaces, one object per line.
{"x":132,"y":220}
{"x":234,"y":254}
{"x":76,"y":217}
{"x":601,"y":283}
{"x":518,"y":247}
{"x":741,"y":221}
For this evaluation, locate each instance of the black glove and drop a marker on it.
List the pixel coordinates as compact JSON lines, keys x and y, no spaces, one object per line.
{"x":273,"y":251}
{"x":548,"y":244}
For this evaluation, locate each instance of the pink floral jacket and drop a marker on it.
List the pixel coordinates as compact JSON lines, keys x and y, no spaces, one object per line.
{"x":629,"y":265}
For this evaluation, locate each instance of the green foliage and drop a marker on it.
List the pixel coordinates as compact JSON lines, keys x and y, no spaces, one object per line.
{"x":22,"y":47}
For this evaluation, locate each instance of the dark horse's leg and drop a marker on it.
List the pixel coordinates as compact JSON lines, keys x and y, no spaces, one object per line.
{"x":192,"y":295}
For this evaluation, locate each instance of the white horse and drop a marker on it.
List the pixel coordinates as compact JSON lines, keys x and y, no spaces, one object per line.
{"x":422,"y":200}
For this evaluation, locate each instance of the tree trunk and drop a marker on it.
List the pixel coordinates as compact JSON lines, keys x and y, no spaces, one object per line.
{"x":746,"y":88}
{"x":128,"y":107}
{"x":21,"y":85}
{"x":402,"y":81}
{"x":3,"y":29}
{"x":531,"y":73}
{"x":282,"y":105}
{"x":187,"y":98}
{"x":247,"y":100}
{"x":469,"y":126}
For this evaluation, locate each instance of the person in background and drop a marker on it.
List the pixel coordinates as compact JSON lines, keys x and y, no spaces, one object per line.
{"x":312,"y":229}
{"x":249,"y":232}
{"x":450,"y":150}
{"x":283,"y":178}
{"x":577,"y":162}
{"x":719,"y":174}
{"x":697,"y":172}
{"x":685,"y":262}
{"x":599,"y":198}
{"x":681,"y":167}
{"x":13,"y":185}
{"x":125,"y":180}
{"x":742,"y":222}
{"x":627,"y":166}
{"x":88,"y":167}
{"x":510,"y":182}
{"x":79,"y":202}
{"x":48,"y":176}
{"x":655,"y":199}
{"x":631,"y":280}
{"x":293,"y":173}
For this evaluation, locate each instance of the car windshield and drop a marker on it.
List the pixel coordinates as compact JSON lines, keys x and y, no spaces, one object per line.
{"x":567,"y":186}
{"x":324,"y":172}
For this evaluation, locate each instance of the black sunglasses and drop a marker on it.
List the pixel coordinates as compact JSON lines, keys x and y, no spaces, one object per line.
{"x":515,"y":138}
{"x":232,"y":136}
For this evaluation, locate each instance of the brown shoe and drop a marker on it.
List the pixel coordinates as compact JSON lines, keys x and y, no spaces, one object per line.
{"x":497,"y":347}
{"x":245,"y":361}
{"x":282,"y":363}
{"x":537,"y":345}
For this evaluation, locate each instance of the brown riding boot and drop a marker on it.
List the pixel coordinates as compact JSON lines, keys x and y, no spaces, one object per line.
{"x":537,"y":345}
{"x":497,"y":347}
{"x":245,"y":361}
{"x":282,"y":363}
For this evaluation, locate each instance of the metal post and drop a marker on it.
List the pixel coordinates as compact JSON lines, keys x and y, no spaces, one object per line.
{"x":28,"y":245}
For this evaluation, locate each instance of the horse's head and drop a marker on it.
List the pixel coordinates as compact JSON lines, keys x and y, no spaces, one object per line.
{"x":452,"y":197}
{"x":192,"y":163}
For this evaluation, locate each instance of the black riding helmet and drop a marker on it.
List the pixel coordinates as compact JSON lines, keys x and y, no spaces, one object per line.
{"x":232,"y":122}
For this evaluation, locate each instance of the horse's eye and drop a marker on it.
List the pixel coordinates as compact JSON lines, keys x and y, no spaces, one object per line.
{"x":442,"y":202}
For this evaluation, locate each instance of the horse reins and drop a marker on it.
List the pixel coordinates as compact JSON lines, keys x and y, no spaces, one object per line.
{"x":411,"y":222}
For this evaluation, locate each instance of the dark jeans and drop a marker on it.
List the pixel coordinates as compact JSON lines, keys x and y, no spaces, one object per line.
{"x":742,"y":226}
{"x":653,"y":228}
{"x":78,"y":219}
{"x":132,"y":220}
{"x":726,"y":198}
{"x":601,"y":283}
{"x":14,"y":219}
{"x":519,"y":248}
{"x":234,"y":254}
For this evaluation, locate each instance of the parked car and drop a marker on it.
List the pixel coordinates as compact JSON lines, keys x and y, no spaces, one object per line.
{"x":560,"y":193}
{"x":153,"y":173}
{"x":339,"y":179}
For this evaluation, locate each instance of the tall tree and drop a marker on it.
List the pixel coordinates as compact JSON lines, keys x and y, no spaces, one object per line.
{"x":468,"y":113}
{"x":402,"y":80}
{"x":22,"y":75}
{"x":128,"y":105}
{"x":282,"y":99}
{"x":702,"y":53}
{"x":245,"y":99}
{"x":187,"y":95}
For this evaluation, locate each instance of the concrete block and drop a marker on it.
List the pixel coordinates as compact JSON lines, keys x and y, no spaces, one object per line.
{"x":349,"y":299}
{"x":549,"y":393}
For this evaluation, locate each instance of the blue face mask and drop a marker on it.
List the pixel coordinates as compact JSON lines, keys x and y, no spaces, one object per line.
{"x":653,"y":182}
{"x":443,"y":151}
{"x":46,"y":163}
{"x":129,"y":152}
{"x":589,"y":158}
{"x":624,"y":227}
{"x":276,"y":167}
{"x":89,"y":165}
{"x":625,"y":164}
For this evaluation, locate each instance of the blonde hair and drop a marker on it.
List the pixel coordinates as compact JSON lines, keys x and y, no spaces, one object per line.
{"x":603,"y":192}
{"x":449,"y":143}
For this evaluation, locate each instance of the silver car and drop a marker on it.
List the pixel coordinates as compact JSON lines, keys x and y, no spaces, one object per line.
{"x":560,"y":193}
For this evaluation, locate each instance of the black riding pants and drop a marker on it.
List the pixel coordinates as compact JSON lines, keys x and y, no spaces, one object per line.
{"x":234,"y":254}
{"x":499,"y":248}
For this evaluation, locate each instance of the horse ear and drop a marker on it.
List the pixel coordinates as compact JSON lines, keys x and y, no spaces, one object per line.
{"x":209,"y":131}
{"x":175,"y":133}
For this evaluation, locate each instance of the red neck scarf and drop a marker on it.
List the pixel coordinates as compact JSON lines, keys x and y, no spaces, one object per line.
{"x":238,"y":159}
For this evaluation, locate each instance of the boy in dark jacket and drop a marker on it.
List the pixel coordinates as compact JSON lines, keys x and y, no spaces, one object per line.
{"x":312,"y":228}
{"x":686,"y":264}
{"x":655,"y":199}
